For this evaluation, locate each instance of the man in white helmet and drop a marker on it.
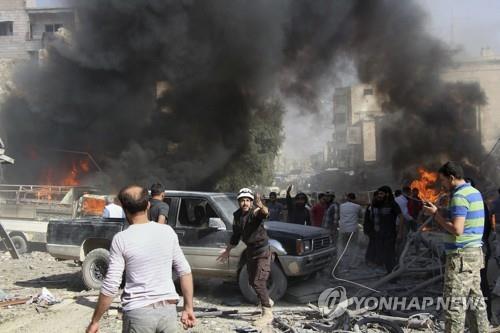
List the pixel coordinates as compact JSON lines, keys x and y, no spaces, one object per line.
{"x":248,"y":226}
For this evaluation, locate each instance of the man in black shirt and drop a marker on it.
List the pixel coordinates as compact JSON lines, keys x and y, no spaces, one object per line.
{"x":248,"y":226}
{"x":158,"y":212}
{"x":381,"y":221}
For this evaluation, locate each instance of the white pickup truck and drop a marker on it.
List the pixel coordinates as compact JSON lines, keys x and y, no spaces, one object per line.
{"x":25,"y":210}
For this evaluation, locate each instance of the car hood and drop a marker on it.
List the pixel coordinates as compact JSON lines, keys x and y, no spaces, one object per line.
{"x":290,"y":230}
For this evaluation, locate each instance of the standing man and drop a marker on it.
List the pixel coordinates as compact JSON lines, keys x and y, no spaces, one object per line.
{"x":275,"y":208}
{"x":248,"y":226}
{"x":298,"y":212}
{"x":331,"y":218}
{"x":350,"y":215}
{"x":158,"y":212}
{"x":406,"y":223}
{"x":147,"y":252}
{"x":385,"y":213}
{"x":318,"y":210}
{"x":112,"y":209}
{"x":464,"y":256}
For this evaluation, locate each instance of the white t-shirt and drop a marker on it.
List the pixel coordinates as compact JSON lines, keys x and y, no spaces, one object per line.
{"x":349,"y":216}
{"x":148,"y":253}
{"x":114,"y":211}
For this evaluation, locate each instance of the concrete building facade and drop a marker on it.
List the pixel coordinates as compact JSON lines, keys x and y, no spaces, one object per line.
{"x":26,"y":24}
{"x":356,"y":113}
{"x":484,"y":70}
{"x":14,"y":29}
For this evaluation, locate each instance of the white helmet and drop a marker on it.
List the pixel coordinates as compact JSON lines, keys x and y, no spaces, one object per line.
{"x":245,"y":193}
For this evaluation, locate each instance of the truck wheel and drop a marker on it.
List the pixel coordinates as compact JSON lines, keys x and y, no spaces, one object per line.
{"x":94,"y":268}
{"x":20,"y":244}
{"x":276,"y":284}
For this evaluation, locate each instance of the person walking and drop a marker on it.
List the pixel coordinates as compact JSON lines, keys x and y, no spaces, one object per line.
{"x":248,"y":226}
{"x":158,"y":211}
{"x":147,"y":252}
{"x":464,"y":257}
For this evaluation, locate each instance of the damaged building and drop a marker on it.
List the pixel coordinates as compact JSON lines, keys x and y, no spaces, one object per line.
{"x":360,"y":118}
{"x":25,"y":26}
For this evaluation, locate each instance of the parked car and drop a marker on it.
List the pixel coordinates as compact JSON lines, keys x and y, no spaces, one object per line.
{"x":203,"y":223}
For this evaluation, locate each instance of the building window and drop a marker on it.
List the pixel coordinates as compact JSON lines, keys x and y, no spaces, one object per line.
{"x":367,"y":92}
{"x":53,"y":27}
{"x":6,"y":28}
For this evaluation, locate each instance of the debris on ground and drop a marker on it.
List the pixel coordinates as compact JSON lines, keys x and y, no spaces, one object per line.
{"x":44,"y":298}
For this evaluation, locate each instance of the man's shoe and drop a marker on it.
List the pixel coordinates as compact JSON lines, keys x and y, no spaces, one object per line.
{"x":265,"y":319}
{"x":271,"y":302}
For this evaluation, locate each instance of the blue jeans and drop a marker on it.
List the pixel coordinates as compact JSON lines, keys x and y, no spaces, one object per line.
{"x":151,"y":320}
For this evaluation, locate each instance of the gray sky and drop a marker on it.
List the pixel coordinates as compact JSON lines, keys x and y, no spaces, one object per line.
{"x":470,"y":24}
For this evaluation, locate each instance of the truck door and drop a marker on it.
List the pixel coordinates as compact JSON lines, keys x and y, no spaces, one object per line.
{"x":201,"y":245}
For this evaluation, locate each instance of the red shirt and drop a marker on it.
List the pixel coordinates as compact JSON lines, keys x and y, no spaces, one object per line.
{"x":317,"y":213}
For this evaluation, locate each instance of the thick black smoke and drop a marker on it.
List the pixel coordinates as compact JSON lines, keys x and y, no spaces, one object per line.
{"x":218,"y":63}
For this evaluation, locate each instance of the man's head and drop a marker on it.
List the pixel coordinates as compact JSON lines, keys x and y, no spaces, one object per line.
{"x":273,"y":196}
{"x":330,"y":196}
{"x":415,"y":192}
{"x":407,"y":191}
{"x":157,"y":191}
{"x":134,"y":200}
{"x":300,"y":199}
{"x":351,"y":196}
{"x":451,"y":175}
{"x":323,"y":198}
{"x":245,"y":199}
{"x":384,"y":194}
{"x":110,"y":199}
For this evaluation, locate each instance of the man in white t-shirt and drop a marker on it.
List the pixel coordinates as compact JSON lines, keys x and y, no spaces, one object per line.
{"x":148,"y":252}
{"x":112,"y":210}
{"x":350,"y":214}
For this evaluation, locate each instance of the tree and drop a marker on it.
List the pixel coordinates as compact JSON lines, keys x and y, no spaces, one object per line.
{"x":255,"y":164}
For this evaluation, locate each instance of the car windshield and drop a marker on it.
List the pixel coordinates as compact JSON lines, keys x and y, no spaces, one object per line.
{"x":227,"y":203}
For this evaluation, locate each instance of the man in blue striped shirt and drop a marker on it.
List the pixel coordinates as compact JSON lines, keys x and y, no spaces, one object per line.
{"x":464,"y":256}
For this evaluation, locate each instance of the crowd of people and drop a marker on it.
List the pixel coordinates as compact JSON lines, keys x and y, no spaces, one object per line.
{"x":143,"y":254}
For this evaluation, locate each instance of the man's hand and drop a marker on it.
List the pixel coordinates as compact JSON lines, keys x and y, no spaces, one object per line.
{"x":92,"y":328}
{"x":188,"y":319}
{"x":224,"y":255}
{"x":429,"y":208}
{"x":258,"y":201}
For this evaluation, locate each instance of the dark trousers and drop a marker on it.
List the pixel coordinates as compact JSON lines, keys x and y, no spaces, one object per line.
{"x":386,"y":251}
{"x":371,"y":254}
{"x":259,"y":269}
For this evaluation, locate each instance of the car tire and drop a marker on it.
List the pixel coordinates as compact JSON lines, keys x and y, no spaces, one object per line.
{"x":277,"y":284}
{"x":20,"y":244}
{"x":94,"y":268}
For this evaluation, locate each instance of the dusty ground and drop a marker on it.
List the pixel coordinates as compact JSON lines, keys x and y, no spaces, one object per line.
{"x":26,"y":277}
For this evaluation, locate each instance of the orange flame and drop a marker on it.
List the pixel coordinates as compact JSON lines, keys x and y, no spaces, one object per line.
{"x":93,"y":206}
{"x":427,"y":185}
{"x":71,"y":177}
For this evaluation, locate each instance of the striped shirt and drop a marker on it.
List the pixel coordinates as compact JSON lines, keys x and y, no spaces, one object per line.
{"x":148,"y":253}
{"x":466,"y":202}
